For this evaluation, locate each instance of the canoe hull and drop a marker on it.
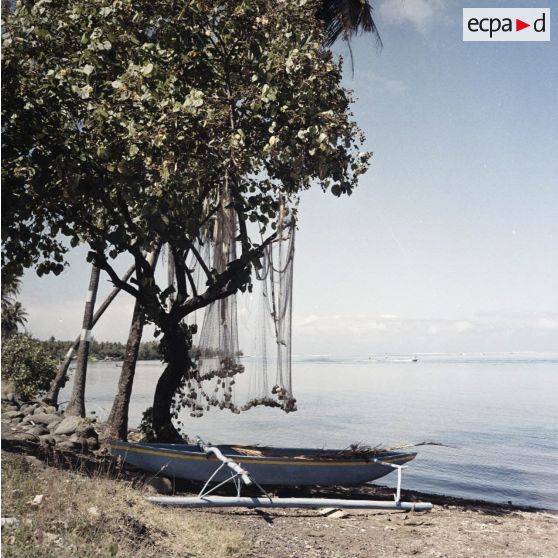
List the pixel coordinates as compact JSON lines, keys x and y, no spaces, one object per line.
{"x":282,"y":468}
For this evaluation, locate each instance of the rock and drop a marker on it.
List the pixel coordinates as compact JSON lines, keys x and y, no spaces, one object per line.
{"x":54,"y":424}
{"x":69,"y":425}
{"x":88,"y":432}
{"x":25,"y":437}
{"x":9,"y":397}
{"x":37,"y":500}
{"x":92,"y":443}
{"x":45,"y":418}
{"x":47,"y":439}
{"x":68,"y":445}
{"x":29,"y":409}
{"x":14,"y":414}
{"x":11,"y":408}
{"x":35,"y":462}
{"x":38,"y":430}
{"x":79,"y":440}
{"x":14,"y":521}
{"x":42,"y":408}
{"x":159,"y":485}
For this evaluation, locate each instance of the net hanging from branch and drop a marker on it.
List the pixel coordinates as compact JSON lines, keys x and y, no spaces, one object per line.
{"x":266,"y":375}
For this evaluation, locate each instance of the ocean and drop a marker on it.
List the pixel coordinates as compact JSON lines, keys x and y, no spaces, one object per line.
{"x":497,"y":416}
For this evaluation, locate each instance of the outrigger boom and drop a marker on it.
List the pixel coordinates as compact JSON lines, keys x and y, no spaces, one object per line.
{"x":240,"y":476}
{"x":265,"y":502}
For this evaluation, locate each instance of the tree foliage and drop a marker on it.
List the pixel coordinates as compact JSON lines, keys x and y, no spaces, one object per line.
{"x":13,"y":313}
{"x":122,"y":119}
{"x":27,"y":365}
{"x":102,"y":350}
{"x":345,"y":18}
{"x":131,"y":123}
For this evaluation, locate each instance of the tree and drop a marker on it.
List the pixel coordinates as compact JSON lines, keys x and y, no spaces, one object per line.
{"x":130,"y":124}
{"x":13,"y":313}
{"x":27,"y":365}
{"x":344,"y":18}
{"x":118,"y":417}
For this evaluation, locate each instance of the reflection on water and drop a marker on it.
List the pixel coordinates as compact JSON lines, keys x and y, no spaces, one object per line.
{"x":499,"y":414}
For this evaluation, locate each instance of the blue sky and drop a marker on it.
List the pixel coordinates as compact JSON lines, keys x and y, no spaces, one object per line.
{"x":450,"y":242}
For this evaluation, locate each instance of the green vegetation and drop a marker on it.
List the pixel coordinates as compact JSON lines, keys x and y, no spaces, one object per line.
{"x":13,"y":313}
{"x":28,"y":365}
{"x":102,"y":350}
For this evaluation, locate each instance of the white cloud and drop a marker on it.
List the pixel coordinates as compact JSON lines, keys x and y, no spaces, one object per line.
{"x":360,"y":333}
{"x":395,"y":86}
{"x":420,"y":13}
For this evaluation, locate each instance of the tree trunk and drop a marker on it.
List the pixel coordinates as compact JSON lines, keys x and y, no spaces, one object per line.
{"x":61,"y":376}
{"x":76,"y":406}
{"x":118,"y":418}
{"x":175,"y":345}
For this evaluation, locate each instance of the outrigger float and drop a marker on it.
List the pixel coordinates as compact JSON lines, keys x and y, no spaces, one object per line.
{"x":260,"y":466}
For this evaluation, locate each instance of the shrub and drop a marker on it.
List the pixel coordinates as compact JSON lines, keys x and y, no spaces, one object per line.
{"x":27,"y":365}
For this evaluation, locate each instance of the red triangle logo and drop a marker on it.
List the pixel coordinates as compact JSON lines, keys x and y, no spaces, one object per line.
{"x":519,"y":25}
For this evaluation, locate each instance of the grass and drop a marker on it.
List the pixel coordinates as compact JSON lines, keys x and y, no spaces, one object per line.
{"x":100,"y":517}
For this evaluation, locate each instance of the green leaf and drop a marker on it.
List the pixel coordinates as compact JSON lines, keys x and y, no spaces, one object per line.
{"x":147,"y":69}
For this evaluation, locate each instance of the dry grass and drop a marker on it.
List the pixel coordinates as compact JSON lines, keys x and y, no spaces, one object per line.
{"x":93,"y":517}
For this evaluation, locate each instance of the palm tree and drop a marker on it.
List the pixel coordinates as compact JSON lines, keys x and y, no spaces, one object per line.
{"x":13,"y":313}
{"x":343,"y":19}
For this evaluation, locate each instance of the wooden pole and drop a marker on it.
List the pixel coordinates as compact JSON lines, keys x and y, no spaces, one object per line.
{"x":76,"y":406}
{"x":59,"y":380}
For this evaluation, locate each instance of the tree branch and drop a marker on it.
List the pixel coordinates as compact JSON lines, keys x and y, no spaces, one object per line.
{"x":179,"y":270}
{"x":234,"y":278}
{"x":101,"y":262}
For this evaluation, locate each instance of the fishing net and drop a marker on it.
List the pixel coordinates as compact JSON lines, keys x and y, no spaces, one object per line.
{"x":266,"y":374}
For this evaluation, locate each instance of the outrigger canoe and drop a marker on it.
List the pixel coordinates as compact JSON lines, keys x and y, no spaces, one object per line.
{"x":269,"y":465}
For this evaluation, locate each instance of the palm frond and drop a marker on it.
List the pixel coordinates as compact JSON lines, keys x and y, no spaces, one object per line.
{"x":343,"y":19}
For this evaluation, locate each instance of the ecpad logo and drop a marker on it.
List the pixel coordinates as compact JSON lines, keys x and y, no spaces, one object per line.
{"x":506,"y":24}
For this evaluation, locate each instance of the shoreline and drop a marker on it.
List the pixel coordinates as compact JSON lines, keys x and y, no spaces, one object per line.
{"x":82,"y":483}
{"x":15,"y":445}
{"x":17,"y":440}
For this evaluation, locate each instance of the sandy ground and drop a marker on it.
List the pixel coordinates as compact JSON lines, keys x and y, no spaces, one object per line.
{"x":447,"y":531}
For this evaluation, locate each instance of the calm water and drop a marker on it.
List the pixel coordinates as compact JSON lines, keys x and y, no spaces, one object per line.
{"x":500,"y":414}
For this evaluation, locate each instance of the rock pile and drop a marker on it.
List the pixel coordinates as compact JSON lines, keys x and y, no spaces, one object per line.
{"x":36,"y":421}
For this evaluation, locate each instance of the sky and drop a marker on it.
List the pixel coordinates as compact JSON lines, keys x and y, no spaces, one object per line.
{"x":450,"y":242}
